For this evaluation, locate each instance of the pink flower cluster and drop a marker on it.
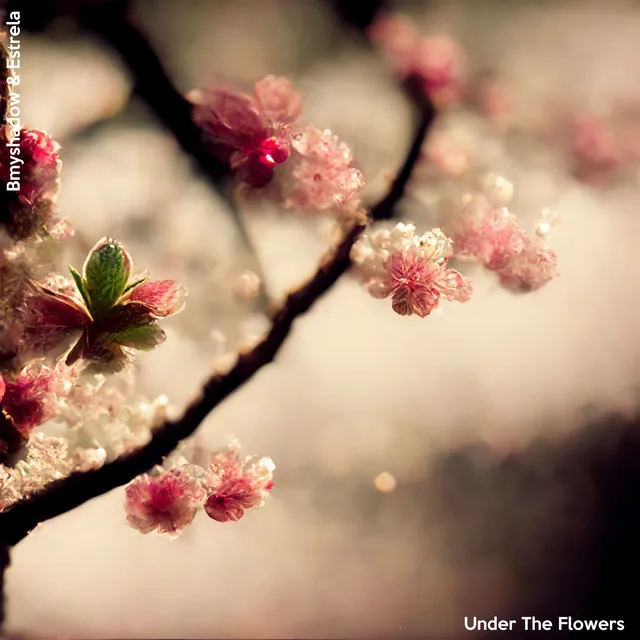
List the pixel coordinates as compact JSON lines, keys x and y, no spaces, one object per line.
{"x":167,"y":501}
{"x":435,"y":61}
{"x":598,"y":145}
{"x":252,"y":132}
{"x":307,"y":169}
{"x":485,"y":231}
{"x":30,"y":208}
{"x":408,"y":268}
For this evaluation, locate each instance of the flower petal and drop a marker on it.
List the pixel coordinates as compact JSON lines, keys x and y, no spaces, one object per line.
{"x":278,"y":100}
{"x":229,"y":117}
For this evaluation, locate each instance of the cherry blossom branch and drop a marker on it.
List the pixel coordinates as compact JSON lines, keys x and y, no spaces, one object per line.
{"x":69,"y":493}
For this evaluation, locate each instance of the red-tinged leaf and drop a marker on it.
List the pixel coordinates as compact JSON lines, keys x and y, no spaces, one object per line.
{"x":163,"y":297}
{"x":50,"y":308}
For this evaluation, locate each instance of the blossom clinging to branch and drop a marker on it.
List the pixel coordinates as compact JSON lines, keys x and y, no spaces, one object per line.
{"x":410,"y":269}
{"x":320,"y":175}
{"x":166,"y":500}
{"x":236,"y":485}
{"x":252,"y":131}
{"x":307,"y":170}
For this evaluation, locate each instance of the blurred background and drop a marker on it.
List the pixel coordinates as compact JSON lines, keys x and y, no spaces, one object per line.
{"x":505,"y":428}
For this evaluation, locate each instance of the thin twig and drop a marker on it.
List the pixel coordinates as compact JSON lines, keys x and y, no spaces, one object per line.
{"x":68,"y":493}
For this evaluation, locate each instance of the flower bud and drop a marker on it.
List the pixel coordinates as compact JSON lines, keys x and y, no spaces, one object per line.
{"x":106,"y":273}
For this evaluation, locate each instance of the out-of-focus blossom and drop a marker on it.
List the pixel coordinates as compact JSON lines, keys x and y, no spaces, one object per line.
{"x":492,"y":98}
{"x":252,"y":132}
{"x":532,"y":268}
{"x":164,"y":503}
{"x":319,"y":175}
{"x":30,"y":185}
{"x":436,"y":62}
{"x":410,"y":269}
{"x":235,"y":485}
{"x":399,"y":40}
{"x":485,"y":231}
{"x":487,"y":234}
{"x":114,"y":313}
{"x":450,"y":158}
{"x":594,"y":146}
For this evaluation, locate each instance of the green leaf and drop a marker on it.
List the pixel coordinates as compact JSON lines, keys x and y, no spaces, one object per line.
{"x":81,"y":286}
{"x":144,"y":337}
{"x":106,"y":272}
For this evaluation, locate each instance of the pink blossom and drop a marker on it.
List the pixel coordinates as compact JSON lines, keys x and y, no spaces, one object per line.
{"x":435,"y":61}
{"x":416,"y":285}
{"x":594,"y":145}
{"x":41,"y":169}
{"x":235,"y":485}
{"x":164,"y":503}
{"x":251,"y":132}
{"x":29,"y":401}
{"x":410,"y":269}
{"x":449,"y":157}
{"x":438,"y":63}
{"x":277,"y":100}
{"x":493,"y":99}
{"x":31,"y":209}
{"x":320,"y":176}
{"x":2,"y":388}
{"x":532,"y":268}
{"x":492,"y":238}
{"x":42,"y":165}
{"x":396,"y":36}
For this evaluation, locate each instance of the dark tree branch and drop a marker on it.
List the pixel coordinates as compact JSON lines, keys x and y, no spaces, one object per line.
{"x":68,"y":493}
{"x":152,"y":84}
{"x":5,"y":561}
